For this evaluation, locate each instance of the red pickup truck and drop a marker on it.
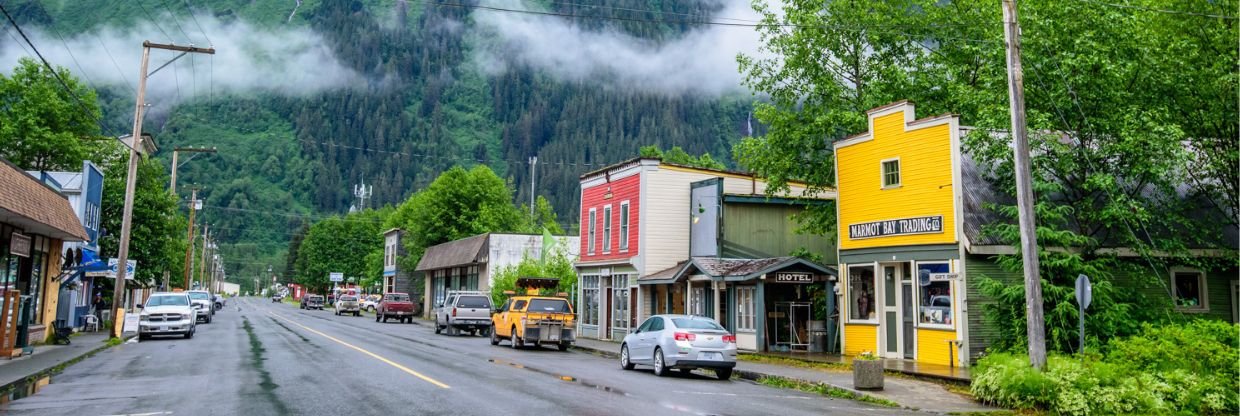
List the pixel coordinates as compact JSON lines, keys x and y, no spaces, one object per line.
{"x":395,"y":306}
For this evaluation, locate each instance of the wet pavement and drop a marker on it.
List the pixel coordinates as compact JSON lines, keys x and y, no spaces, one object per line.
{"x":274,"y":359}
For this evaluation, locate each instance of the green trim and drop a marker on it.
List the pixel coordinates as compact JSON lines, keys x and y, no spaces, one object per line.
{"x":750,"y":199}
{"x":902,"y":253}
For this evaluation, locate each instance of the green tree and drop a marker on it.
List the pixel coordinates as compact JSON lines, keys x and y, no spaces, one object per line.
{"x":679,"y":156}
{"x":43,"y":127}
{"x":339,"y":244}
{"x":557,"y":264}
{"x":157,"y":232}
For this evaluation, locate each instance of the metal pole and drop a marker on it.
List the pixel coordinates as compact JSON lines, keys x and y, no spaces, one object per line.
{"x":131,"y":181}
{"x":533,"y":163}
{"x":1035,"y":325}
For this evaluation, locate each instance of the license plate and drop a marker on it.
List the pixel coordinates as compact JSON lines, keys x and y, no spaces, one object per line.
{"x":163,"y":328}
{"x":712,"y":356}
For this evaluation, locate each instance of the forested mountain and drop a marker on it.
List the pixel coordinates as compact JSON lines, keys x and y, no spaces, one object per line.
{"x":420,"y":101}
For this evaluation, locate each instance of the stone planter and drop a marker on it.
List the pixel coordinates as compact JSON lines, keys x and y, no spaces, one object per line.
{"x":867,"y":374}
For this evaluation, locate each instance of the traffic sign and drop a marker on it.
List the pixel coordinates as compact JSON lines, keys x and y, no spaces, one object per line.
{"x":1084,"y":291}
{"x":336,"y":277}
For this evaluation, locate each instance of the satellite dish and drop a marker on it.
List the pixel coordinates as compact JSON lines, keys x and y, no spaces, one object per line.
{"x":923,"y":277}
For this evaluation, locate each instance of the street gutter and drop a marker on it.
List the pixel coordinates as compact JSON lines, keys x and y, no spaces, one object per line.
{"x":56,"y":369}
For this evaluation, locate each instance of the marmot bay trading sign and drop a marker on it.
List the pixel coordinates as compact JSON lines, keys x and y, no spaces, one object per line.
{"x":918,"y":225}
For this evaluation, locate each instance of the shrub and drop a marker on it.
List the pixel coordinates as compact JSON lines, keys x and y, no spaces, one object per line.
{"x":1190,"y":368}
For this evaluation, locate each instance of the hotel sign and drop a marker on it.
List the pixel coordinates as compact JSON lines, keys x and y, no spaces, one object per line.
{"x":918,"y":225}
{"x":794,"y":278}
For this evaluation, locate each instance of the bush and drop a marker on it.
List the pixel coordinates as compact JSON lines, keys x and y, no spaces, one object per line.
{"x":1190,"y":368}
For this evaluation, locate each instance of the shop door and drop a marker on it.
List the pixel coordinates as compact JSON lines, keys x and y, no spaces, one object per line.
{"x":604,"y":327}
{"x":892,"y":325}
{"x":906,"y":311}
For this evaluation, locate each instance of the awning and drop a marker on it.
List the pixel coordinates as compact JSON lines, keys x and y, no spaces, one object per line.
{"x":90,"y":262}
{"x":734,"y":270}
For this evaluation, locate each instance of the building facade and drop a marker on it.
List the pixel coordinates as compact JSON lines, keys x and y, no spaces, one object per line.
{"x":469,"y":263}
{"x":395,"y":279}
{"x":84,"y":190}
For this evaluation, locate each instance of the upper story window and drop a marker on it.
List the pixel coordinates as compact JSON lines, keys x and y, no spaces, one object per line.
{"x":590,"y":234}
{"x":891,"y":173}
{"x":624,"y":225}
{"x":1189,"y":287}
{"x":607,"y":228}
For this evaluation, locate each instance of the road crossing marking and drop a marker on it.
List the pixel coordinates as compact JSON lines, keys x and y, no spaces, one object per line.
{"x":371,"y":354}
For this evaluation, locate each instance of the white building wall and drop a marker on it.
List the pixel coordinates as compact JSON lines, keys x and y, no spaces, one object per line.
{"x":506,"y":250}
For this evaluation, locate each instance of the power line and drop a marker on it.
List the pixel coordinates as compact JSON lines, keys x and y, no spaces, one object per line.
{"x":49,"y":67}
{"x":195,"y":18}
{"x":153,"y":21}
{"x":455,"y":157}
{"x":173,"y":16}
{"x":89,"y":81}
{"x":1155,"y":10}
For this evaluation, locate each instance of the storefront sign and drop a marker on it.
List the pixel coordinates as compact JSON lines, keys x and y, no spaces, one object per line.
{"x":919,"y":225}
{"x":794,"y":278}
{"x":19,"y":245}
{"x":943,"y":277}
{"x":335,"y":276}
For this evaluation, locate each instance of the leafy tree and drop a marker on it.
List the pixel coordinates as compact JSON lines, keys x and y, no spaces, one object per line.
{"x":157,"y":232}
{"x":557,"y":263}
{"x":544,"y":217}
{"x":681,"y":157}
{"x":44,"y":127}
{"x":339,"y":244}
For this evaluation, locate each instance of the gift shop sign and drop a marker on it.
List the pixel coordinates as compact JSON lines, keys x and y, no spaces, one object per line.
{"x":918,"y":225}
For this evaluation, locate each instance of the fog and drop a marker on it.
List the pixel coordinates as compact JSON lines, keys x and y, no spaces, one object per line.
{"x":285,"y":60}
{"x":701,"y":61}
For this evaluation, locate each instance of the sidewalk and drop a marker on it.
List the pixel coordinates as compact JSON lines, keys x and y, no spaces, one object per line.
{"x":908,"y":393}
{"x":47,"y":357}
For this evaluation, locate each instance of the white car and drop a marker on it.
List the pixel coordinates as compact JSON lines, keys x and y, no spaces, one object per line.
{"x":166,"y":313}
{"x":682,"y":342}
{"x":202,"y":303}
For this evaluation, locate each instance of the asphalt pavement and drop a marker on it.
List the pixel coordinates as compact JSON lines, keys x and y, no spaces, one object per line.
{"x":263,"y":358}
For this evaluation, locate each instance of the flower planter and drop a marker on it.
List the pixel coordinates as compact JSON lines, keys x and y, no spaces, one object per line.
{"x":867,"y":374}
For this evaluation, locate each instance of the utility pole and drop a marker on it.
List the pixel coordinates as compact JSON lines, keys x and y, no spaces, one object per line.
{"x":189,"y":250}
{"x":533,"y":163}
{"x":175,"y":165}
{"x":202,"y":267}
{"x":1035,"y":325}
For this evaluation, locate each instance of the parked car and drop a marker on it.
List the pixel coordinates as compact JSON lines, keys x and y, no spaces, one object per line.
{"x":370,"y":303}
{"x":534,"y":320}
{"x":311,"y":302}
{"x":276,"y":298}
{"x":464,"y":311}
{"x":167,"y":313}
{"x":395,"y":306}
{"x":682,"y":342}
{"x":201,"y":301}
{"x":219,"y":302}
{"x":348,"y":304}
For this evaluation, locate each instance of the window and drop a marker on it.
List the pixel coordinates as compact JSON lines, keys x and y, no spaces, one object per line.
{"x":1190,"y":290}
{"x":520,"y":305}
{"x":550,"y":305}
{"x":645,"y":327}
{"x":471,"y":278}
{"x":696,"y":323}
{"x":590,"y":244}
{"x":607,"y":229}
{"x":891,"y":173}
{"x":478,"y":302}
{"x":936,"y":298}
{"x":624,"y":225}
{"x":656,"y":324}
{"x":861,"y":288}
{"x":589,"y":295}
{"x":620,"y":301}
{"x":697,"y":301}
{"x":745,"y":308}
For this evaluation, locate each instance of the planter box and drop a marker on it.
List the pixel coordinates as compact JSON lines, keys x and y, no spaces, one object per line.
{"x":867,"y":374}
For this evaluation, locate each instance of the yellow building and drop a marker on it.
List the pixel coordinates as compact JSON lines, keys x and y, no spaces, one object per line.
{"x":899,"y":237}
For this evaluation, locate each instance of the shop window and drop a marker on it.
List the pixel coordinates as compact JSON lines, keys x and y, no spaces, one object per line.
{"x":589,"y":294}
{"x":861,"y":288}
{"x":1190,"y":290}
{"x":607,"y":229}
{"x":891,"y":173}
{"x":697,"y":301}
{"x":936,"y":294}
{"x":745,"y":308}
{"x":620,"y":301}
{"x":590,"y":244}
{"x":471,"y":278}
{"x":624,"y":225}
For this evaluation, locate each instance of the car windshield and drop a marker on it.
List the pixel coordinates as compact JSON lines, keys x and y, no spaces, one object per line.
{"x":691,"y":323}
{"x":169,"y":300}
{"x":314,"y":297}
{"x":348,"y":299}
{"x":398,"y":298}
{"x":198,"y":295}
{"x":548,"y":305}
{"x":473,"y":302}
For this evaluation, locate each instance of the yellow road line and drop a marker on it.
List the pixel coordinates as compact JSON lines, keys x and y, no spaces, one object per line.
{"x":371,"y":354}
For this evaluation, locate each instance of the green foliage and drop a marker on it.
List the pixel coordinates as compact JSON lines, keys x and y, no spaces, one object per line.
{"x":340,"y":244}
{"x":158,"y":231}
{"x":1187,"y":368}
{"x":557,"y":264}
{"x":679,"y":156}
{"x":44,"y":128}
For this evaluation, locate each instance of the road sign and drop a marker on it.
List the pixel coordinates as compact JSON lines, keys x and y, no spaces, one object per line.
{"x":336,"y":277}
{"x":1084,"y":291}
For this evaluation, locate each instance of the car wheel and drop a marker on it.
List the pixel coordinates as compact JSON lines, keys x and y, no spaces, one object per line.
{"x":723,"y":373}
{"x":357,"y":313}
{"x":660,"y":368}
{"x":208,"y":319}
{"x":494,"y":336}
{"x":190,"y":334}
{"x":376,"y":317}
{"x":625,"y":362}
{"x":516,"y":340}
{"x":563,"y":346}
{"x":438,"y":329}
{"x":143,"y":337}
{"x":385,"y":318}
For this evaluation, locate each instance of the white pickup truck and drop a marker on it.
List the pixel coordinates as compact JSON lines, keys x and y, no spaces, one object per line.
{"x":464,"y":311}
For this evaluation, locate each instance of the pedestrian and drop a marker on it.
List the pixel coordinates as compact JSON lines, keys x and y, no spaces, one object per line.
{"x":100,"y":306}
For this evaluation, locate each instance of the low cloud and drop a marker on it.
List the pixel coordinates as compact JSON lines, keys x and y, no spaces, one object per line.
{"x":700,"y":61}
{"x":285,"y":60}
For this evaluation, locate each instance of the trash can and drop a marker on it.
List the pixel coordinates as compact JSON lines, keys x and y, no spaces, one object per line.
{"x":23,"y":321}
{"x":817,"y":336}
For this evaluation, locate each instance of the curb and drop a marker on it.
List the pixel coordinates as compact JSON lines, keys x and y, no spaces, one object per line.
{"x":59,"y":366}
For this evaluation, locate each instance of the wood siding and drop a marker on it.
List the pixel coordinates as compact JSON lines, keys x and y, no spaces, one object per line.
{"x":859,"y":338}
{"x":932,"y":346}
{"x":667,"y":216}
{"x":926,"y":176}
{"x":596,"y":197}
{"x":768,"y":230}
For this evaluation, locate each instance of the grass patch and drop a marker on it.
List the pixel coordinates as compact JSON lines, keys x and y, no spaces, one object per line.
{"x":824,"y":390}
{"x":766,"y":359}
{"x":112,"y":342}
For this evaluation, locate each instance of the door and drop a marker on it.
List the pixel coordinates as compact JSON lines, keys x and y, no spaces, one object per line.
{"x":642,"y":346}
{"x":906,"y":311}
{"x":891,"y":312}
{"x":604,"y":327}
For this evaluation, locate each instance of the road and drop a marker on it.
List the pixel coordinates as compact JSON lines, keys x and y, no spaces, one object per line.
{"x":262,"y":358}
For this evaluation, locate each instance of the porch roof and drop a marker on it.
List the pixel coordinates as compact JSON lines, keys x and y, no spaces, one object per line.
{"x":731,"y":269}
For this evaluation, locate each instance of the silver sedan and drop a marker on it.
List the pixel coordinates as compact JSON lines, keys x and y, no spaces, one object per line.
{"x":682,"y":342}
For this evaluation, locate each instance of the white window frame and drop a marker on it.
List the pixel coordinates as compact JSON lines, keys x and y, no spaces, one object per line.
{"x":745,"y":313}
{"x":607,"y":229}
{"x":1203,"y":284}
{"x":882,"y":173}
{"x":592,"y":230}
{"x":590,"y":283}
{"x":951,"y":285}
{"x":625,"y":218}
{"x":874,"y":268}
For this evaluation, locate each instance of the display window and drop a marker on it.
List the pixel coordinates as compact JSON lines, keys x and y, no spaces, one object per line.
{"x":861,"y":287}
{"x":936,"y":294}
